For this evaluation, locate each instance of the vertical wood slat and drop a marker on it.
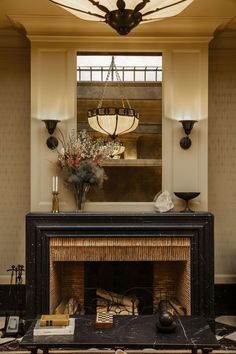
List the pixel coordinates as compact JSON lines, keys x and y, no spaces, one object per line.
{"x":119,"y":249}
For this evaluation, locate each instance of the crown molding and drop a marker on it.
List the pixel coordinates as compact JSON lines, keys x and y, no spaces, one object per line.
{"x":70,"y":26}
{"x":119,"y":40}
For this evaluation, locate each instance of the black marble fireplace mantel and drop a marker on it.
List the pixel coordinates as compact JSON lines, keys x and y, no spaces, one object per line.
{"x":197,"y":226}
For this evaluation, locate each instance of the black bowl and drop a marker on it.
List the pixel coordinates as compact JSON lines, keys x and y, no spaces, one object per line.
{"x":186,"y":195}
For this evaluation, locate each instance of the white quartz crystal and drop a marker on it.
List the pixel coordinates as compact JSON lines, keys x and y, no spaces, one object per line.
{"x":163,"y":202}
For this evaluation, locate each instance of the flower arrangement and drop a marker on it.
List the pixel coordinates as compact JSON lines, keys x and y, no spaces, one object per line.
{"x":81,"y":159}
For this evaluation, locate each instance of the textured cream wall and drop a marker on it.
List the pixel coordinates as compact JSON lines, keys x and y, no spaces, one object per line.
{"x":15,"y":141}
{"x":222,"y":159}
{"x":14,"y":155}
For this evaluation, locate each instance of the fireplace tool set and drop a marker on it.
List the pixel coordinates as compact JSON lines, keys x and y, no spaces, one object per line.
{"x":14,"y":324}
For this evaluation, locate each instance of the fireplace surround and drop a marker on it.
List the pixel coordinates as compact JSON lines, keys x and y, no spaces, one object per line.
{"x":78,"y":237}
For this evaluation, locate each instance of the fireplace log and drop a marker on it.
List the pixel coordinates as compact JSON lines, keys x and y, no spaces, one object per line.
{"x":117,"y":298}
{"x":61,"y":307}
{"x":67,"y":306}
{"x":178,"y":308}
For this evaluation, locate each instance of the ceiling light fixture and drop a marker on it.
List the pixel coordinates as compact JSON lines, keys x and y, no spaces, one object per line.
{"x":123,"y":19}
{"x":113,"y":121}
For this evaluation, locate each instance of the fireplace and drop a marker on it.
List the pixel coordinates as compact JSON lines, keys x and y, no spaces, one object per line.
{"x":177,"y":248}
{"x":166,"y":260}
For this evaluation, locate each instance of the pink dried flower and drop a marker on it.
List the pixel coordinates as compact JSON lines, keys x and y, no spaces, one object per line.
{"x":82,"y":156}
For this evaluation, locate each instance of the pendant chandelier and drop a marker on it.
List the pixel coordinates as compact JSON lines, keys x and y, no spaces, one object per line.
{"x":113,"y":121}
{"x":122,"y":15}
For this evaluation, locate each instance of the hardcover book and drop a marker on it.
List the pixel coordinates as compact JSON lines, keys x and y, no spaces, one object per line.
{"x":54,"y":320}
{"x":54,"y":330}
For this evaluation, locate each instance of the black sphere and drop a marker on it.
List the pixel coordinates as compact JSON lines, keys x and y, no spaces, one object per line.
{"x":52,"y":142}
{"x":185,"y":142}
{"x":166,"y":318}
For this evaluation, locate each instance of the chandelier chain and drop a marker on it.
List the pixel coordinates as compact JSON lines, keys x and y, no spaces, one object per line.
{"x":105,"y":86}
{"x":120,"y":87}
{"x":112,"y":68}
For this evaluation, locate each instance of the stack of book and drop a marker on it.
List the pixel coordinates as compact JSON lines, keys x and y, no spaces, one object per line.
{"x":54,"y":325}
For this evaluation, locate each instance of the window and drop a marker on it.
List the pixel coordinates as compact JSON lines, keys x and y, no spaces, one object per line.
{"x":130,"y":68}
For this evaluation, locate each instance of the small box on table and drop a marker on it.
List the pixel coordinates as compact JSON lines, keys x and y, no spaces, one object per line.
{"x":104,"y":320}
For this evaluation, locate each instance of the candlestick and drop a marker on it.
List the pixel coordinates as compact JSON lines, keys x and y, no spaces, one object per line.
{"x":55,"y":202}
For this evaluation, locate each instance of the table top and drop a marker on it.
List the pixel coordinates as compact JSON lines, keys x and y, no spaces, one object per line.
{"x":128,"y":332}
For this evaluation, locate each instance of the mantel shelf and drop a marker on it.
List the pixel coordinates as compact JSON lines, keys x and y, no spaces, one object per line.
{"x":133,"y":162}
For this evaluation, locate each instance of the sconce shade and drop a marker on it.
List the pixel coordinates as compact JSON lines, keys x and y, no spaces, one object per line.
{"x":51,"y":124}
{"x":186,"y":142}
{"x":113,"y":121}
{"x":123,"y":19}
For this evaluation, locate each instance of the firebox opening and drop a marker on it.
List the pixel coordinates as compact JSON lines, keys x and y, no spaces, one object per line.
{"x":133,"y":279}
{"x":76,"y":287}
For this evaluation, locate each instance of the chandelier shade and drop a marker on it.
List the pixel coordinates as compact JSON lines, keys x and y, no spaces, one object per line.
{"x":122,"y":15}
{"x":113,"y":121}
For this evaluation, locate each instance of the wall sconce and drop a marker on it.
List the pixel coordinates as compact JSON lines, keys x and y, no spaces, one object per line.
{"x":186,"y":142}
{"x":51,"y":124}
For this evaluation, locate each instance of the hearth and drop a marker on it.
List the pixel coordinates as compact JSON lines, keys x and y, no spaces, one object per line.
{"x":64,"y":250}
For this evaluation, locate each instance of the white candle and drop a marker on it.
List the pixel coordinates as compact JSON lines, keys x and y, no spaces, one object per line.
{"x":53,"y":183}
{"x":56,"y":184}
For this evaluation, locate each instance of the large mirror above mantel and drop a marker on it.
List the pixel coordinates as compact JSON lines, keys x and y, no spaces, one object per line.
{"x":135,"y":175}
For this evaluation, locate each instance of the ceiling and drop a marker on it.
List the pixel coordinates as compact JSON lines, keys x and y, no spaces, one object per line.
{"x":201,"y":18}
